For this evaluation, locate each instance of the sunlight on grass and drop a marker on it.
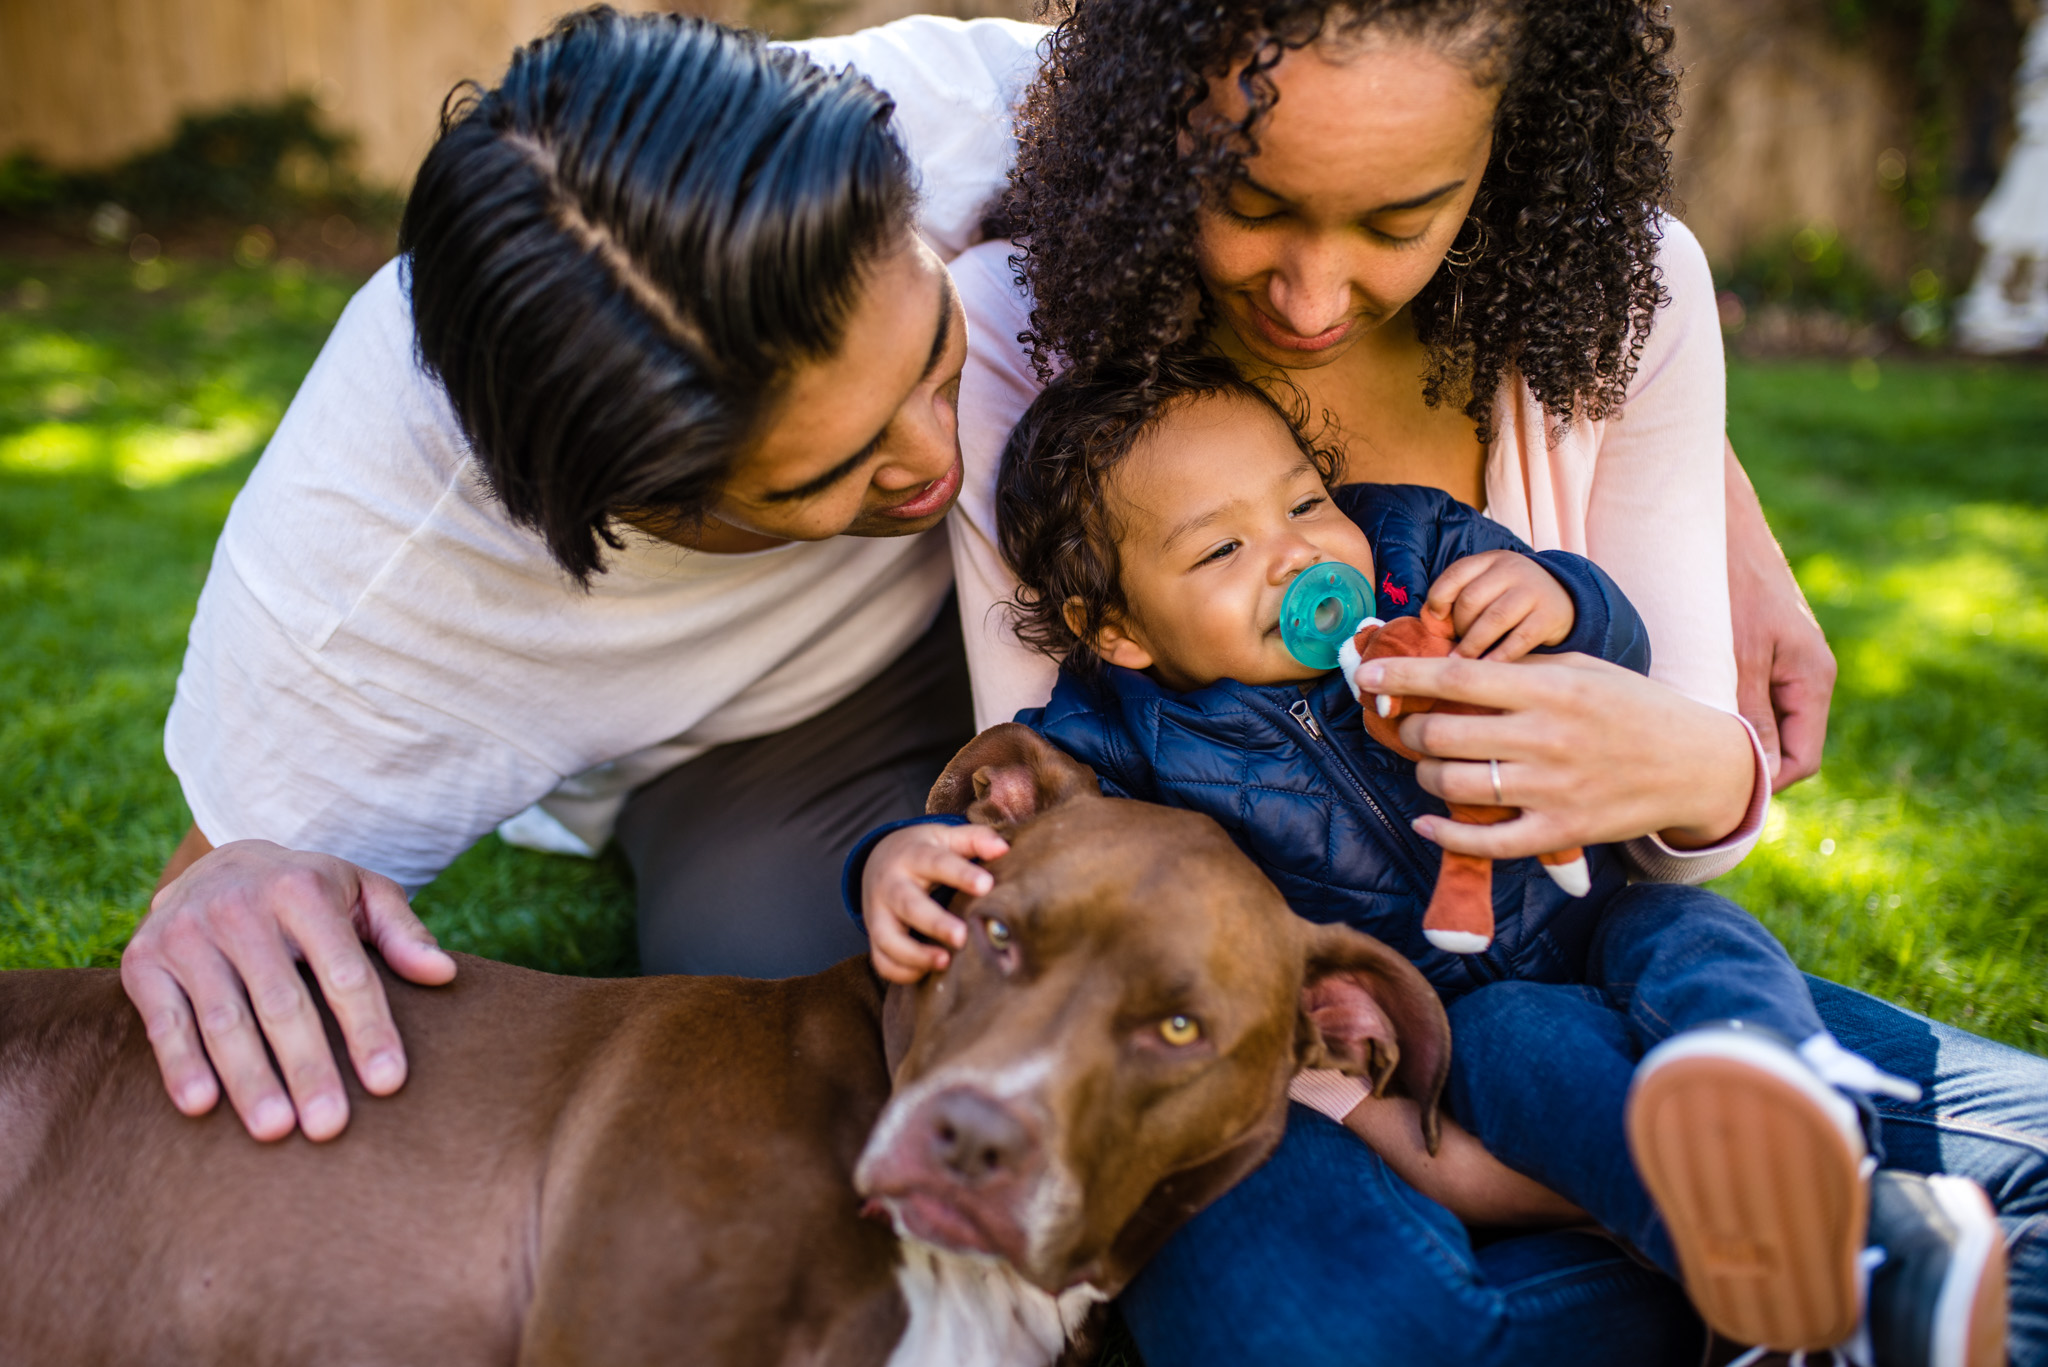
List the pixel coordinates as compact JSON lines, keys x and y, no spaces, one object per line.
{"x":1913,"y":866}
{"x":128,"y":419}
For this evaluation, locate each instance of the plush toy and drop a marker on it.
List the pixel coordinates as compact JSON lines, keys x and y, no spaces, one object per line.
{"x":1320,"y":625}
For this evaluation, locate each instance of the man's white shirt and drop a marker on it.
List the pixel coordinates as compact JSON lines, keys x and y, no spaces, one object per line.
{"x":383,"y":667}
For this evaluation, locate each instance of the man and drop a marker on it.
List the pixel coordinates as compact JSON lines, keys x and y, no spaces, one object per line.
{"x":619,"y":493}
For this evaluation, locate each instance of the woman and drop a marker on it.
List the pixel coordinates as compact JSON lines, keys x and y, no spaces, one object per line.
{"x":1442,"y":223}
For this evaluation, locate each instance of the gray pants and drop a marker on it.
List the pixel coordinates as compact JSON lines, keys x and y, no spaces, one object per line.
{"x":737,"y":854}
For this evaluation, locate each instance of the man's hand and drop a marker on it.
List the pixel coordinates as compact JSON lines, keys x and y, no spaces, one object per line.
{"x":895,"y":894}
{"x":213,"y":969}
{"x":1785,"y":673}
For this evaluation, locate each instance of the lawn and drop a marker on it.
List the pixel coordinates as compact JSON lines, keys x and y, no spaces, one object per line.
{"x":1913,"y":501}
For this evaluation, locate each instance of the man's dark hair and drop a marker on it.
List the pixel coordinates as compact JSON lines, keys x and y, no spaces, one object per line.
{"x":1055,"y":522}
{"x":1113,"y":165}
{"x":617,"y":256}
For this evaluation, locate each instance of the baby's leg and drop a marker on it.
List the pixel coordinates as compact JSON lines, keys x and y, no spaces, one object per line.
{"x":1753,"y":1130}
{"x":1672,"y":957}
{"x":1540,"y":1075}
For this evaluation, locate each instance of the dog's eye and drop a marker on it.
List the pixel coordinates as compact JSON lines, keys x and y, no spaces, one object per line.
{"x":998,"y":932}
{"x":1179,"y":1031}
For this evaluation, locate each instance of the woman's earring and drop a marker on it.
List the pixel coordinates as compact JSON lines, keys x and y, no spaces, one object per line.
{"x":1460,"y":260}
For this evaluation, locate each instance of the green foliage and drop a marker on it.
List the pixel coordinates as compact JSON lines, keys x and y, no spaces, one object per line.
{"x":244,"y":162}
{"x":129,"y":417}
{"x":1811,"y":268}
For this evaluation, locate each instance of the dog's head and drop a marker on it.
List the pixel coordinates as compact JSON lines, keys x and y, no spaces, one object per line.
{"x":1111,"y":1049}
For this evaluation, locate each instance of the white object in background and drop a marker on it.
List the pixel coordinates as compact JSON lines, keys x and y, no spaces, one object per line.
{"x":2007,"y":306}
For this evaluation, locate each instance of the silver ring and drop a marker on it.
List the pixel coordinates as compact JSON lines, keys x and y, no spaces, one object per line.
{"x":1493,"y":768}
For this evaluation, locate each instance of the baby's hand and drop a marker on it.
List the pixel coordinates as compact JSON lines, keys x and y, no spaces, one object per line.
{"x":895,"y":894}
{"x":1501,"y":601}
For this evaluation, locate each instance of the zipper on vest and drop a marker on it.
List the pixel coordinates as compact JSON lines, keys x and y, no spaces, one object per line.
{"x":1303,"y":713}
{"x":1483,"y":968}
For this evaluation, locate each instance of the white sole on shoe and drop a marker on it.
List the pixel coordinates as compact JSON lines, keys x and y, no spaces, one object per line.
{"x":1759,"y":1170}
{"x":1970,"y":1317}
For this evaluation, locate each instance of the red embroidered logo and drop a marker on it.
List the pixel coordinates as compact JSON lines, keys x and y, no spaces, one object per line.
{"x":1395,"y":594}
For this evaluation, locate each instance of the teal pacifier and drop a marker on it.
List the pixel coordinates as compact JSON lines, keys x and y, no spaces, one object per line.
{"x":1322,"y":610}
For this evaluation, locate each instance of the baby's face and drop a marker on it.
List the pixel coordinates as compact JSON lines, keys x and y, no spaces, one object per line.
{"x":1220,"y":511}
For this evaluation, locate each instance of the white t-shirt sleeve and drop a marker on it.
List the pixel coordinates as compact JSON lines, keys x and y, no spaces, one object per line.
{"x":267,"y":745}
{"x":268,"y":741}
{"x":955,"y":83}
{"x":995,"y":389}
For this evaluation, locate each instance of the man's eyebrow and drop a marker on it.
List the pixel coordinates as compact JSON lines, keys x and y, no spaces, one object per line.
{"x":1397,"y":206}
{"x":942,"y":335}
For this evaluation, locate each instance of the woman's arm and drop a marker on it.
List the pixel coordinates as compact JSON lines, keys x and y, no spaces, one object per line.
{"x":1595,"y":756}
{"x":1786,"y":673}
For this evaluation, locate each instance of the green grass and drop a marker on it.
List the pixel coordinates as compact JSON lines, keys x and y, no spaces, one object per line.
{"x":1915,"y":512}
{"x":129,"y":416}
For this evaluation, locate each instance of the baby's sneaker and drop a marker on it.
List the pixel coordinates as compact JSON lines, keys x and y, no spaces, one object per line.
{"x":1938,"y":1299}
{"x":1758,"y":1164}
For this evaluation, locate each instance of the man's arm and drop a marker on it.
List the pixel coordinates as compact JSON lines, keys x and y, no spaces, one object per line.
{"x":213,"y":970}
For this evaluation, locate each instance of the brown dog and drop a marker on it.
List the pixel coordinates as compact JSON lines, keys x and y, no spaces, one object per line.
{"x":667,"y":1169}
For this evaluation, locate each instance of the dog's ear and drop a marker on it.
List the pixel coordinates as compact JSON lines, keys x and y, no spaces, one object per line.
{"x":1006,"y":776}
{"x":1366,"y":1011}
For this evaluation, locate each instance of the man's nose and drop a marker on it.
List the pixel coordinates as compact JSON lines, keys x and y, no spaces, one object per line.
{"x":975,"y":1137}
{"x":921,"y":447}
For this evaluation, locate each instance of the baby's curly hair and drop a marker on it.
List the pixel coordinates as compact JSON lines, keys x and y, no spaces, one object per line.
{"x":1055,"y":521}
{"x":1102,"y":202}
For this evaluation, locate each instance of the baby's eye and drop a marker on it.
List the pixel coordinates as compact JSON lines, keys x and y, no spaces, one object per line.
{"x":1222,"y":552}
{"x":1307,"y":506}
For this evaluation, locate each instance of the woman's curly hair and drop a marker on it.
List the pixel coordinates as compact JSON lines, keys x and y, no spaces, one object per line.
{"x":1056,"y":522}
{"x":1104,"y":197}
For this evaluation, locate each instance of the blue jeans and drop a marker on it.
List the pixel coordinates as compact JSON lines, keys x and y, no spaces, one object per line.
{"x":1540,"y":1072}
{"x":1325,"y":1256}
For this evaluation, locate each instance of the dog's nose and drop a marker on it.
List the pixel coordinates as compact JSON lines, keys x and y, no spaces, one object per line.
{"x":975,"y":1137}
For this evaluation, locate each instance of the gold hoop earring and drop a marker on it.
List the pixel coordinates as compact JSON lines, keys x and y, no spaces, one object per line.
{"x":1459,"y":261}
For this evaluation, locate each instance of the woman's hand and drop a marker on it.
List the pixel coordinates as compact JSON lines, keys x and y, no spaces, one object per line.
{"x":895,"y":894}
{"x":1785,"y":673}
{"x":214,"y":971}
{"x":1590,"y":752}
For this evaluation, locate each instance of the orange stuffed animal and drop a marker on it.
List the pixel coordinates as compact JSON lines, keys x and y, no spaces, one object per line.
{"x":1460,"y":916}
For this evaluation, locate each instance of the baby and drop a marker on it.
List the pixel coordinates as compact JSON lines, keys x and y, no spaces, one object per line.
{"x":1155,"y":527}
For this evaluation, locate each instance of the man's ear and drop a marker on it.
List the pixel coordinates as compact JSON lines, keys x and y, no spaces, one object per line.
{"x":1006,"y":776}
{"x":1366,"y":1011}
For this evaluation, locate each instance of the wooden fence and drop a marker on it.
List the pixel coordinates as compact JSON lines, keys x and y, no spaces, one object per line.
{"x":1782,"y":128}
{"x":85,"y":82}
